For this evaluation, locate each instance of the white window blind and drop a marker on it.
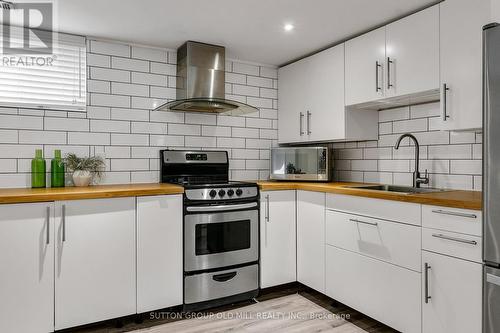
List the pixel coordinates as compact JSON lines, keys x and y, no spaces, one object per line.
{"x":36,"y":84}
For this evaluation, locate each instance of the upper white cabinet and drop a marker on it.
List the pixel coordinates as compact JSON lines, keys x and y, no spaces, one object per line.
{"x":461,"y":23}
{"x":95,"y":261}
{"x":27,"y":259}
{"x":311,"y":102}
{"x":159,"y":232}
{"x":277,"y":238}
{"x":311,"y":239}
{"x":412,"y":52}
{"x":364,"y":67}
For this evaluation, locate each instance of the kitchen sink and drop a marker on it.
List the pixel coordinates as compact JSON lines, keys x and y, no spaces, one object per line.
{"x":397,"y":188}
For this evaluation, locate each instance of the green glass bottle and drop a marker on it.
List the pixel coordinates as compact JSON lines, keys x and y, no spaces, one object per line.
{"x":57,"y":170}
{"x":38,"y":168}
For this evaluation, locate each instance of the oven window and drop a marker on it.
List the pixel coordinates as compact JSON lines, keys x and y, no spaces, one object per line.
{"x":222,"y":237}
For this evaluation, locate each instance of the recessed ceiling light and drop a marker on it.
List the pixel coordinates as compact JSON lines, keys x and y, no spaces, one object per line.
{"x":288,"y":27}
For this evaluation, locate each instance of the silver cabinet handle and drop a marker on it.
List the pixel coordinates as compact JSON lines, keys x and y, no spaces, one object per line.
{"x":48,"y":225}
{"x":363,"y":222}
{"x":267,"y":207}
{"x":301,"y":117}
{"x":308,"y":122}
{"x":427,"y":297}
{"x":455,"y":239}
{"x":447,"y":212}
{"x":445,"y":105}
{"x":377,"y":66}
{"x":389,"y":62}
{"x":63,"y":216}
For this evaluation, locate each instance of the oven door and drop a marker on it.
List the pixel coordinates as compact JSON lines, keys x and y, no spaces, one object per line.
{"x":216,"y":238}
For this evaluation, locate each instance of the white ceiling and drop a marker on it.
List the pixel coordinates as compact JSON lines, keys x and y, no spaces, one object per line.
{"x":251,"y":30}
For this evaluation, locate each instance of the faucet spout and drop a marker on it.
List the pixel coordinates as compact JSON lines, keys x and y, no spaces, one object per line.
{"x":417,"y":180}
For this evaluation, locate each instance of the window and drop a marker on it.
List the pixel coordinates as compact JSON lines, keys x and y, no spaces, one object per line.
{"x":48,"y":81}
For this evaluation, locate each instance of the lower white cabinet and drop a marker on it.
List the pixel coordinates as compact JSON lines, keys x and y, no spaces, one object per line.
{"x":95,"y":261}
{"x":386,"y":292}
{"x":159,"y":252}
{"x":452,"y":301}
{"x":277,"y":238}
{"x":27,"y":273}
{"x":311,"y":239}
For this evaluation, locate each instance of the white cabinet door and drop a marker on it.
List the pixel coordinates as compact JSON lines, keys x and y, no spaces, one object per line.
{"x":159,"y":252}
{"x":95,"y":261}
{"x":292,"y":101}
{"x":311,"y":239}
{"x":325,"y":114}
{"x":277,"y":238}
{"x":412,"y":49}
{"x":27,"y":276}
{"x":461,"y":23}
{"x":364,"y":67}
{"x":455,"y":291}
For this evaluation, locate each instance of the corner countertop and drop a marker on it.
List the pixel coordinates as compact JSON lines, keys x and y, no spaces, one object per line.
{"x":23,"y":195}
{"x":449,"y":198}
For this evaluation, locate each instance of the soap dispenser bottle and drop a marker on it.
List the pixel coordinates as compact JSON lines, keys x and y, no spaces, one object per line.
{"x":57,"y":170}
{"x":38,"y":168}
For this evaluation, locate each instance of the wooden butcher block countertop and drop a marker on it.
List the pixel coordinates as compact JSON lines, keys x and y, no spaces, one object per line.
{"x":20,"y":195}
{"x":448,"y":198}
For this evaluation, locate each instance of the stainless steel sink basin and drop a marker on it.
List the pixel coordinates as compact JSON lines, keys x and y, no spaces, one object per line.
{"x":398,"y":189}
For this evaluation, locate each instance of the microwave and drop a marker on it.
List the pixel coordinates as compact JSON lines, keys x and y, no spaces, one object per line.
{"x":301,"y":163}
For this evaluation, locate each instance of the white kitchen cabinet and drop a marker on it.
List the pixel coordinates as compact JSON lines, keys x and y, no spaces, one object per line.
{"x":27,"y":277}
{"x":311,"y":104}
{"x":455,"y":294}
{"x":412,"y":53}
{"x":95,"y":261}
{"x":311,"y":239}
{"x":159,"y":252}
{"x":364,"y":67}
{"x":277,"y":238}
{"x":461,"y":23}
{"x":386,"y":292}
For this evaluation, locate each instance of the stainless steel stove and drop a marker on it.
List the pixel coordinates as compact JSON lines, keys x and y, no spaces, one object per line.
{"x":221,"y":228}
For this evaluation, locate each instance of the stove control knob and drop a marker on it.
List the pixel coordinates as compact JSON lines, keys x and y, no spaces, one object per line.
{"x":239,"y":192}
{"x":222,"y":193}
{"x":212,"y":193}
{"x":230,"y":192}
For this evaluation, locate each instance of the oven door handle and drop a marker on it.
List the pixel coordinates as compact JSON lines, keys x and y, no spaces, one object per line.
{"x":220,"y":208}
{"x":224,"y":277}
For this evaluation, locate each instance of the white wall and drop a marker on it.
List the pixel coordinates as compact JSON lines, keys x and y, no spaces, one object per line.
{"x":124,"y":83}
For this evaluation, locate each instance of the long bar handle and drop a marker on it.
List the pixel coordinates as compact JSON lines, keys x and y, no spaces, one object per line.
{"x":267,"y":208}
{"x":389,"y":62}
{"x":445,"y":105}
{"x":364,"y":222}
{"x":427,"y":297}
{"x":455,"y":239}
{"x":308,"y":122}
{"x":48,"y":225}
{"x":63,"y":216}
{"x":301,"y":117}
{"x":377,"y":66}
{"x":221,"y":208}
{"x":447,"y":212}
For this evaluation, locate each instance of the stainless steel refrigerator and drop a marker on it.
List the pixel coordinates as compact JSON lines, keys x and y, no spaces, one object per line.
{"x":491,"y":178}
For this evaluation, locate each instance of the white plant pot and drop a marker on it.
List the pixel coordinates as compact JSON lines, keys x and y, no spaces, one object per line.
{"x":82,"y":178}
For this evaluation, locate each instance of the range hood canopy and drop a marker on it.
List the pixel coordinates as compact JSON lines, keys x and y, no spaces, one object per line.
{"x":201,"y":80}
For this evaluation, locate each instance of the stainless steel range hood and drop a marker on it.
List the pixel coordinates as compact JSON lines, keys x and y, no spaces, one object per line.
{"x":201,"y":82}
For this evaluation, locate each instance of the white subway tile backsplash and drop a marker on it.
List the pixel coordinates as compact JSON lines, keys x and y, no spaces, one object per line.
{"x":82,"y":138}
{"x":450,"y":152}
{"x":149,"y":128}
{"x":129,"y":89}
{"x":20,"y":122}
{"x":42,"y":137}
{"x":413,"y":125}
{"x":66,"y":124}
{"x":129,"y":139}
{"x":129,"y":114}
{"x":8,"y":165}
{"x":394,"y":114}
{"x":106,"y":74}
{"x":200,"y":141}
{"x":216,"y":131}
{"x":394,"y":165}
{"x":244,"y":68}
{"x":184,"y":129}
{"x":231,"y":121}
{"x":18,"y":151}
{"x":241,"y":132}
{"x":151,"y":54}
{"x":201,"y":118}
{"x":468,"y":167}
{"x":230,"y":143}
{"x":110,"y":100}
{"x":149,"y":79}
{"x":271,"y":72}
{"x":103,"y":87}
{"x":166,"y":141}
{"x":98,"y":112}
{"x":8,"y":136}
{"x":164,"y":69}
{"x":129,"y":164}
{"x":235,"y":78}
{"x":98,"y":60}
{"x":115,"y":49}
{"x":110,"y":126}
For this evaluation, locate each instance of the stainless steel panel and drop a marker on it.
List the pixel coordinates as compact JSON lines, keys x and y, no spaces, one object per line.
{"x":203,"y":193}
{"x":179,"y":156}
{"x":193,"y":262}
{"x":220,"y":208}
{"x":491,"y":148}
{"x":491,"y":308}
{"x":204,"y":287}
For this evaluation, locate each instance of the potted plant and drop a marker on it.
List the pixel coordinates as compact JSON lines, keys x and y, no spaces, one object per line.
{"x":85,"y":169}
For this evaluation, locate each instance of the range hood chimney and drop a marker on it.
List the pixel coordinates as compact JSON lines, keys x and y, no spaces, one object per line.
{"x":201,"y":82}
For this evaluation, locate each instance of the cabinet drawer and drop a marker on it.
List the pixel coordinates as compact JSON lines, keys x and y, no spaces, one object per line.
{"x":383,"y":209}
{"x":463,"y":221}
{"x":392,"y":242}
{"x":386,"y":292}
{"x":452,"y":244}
